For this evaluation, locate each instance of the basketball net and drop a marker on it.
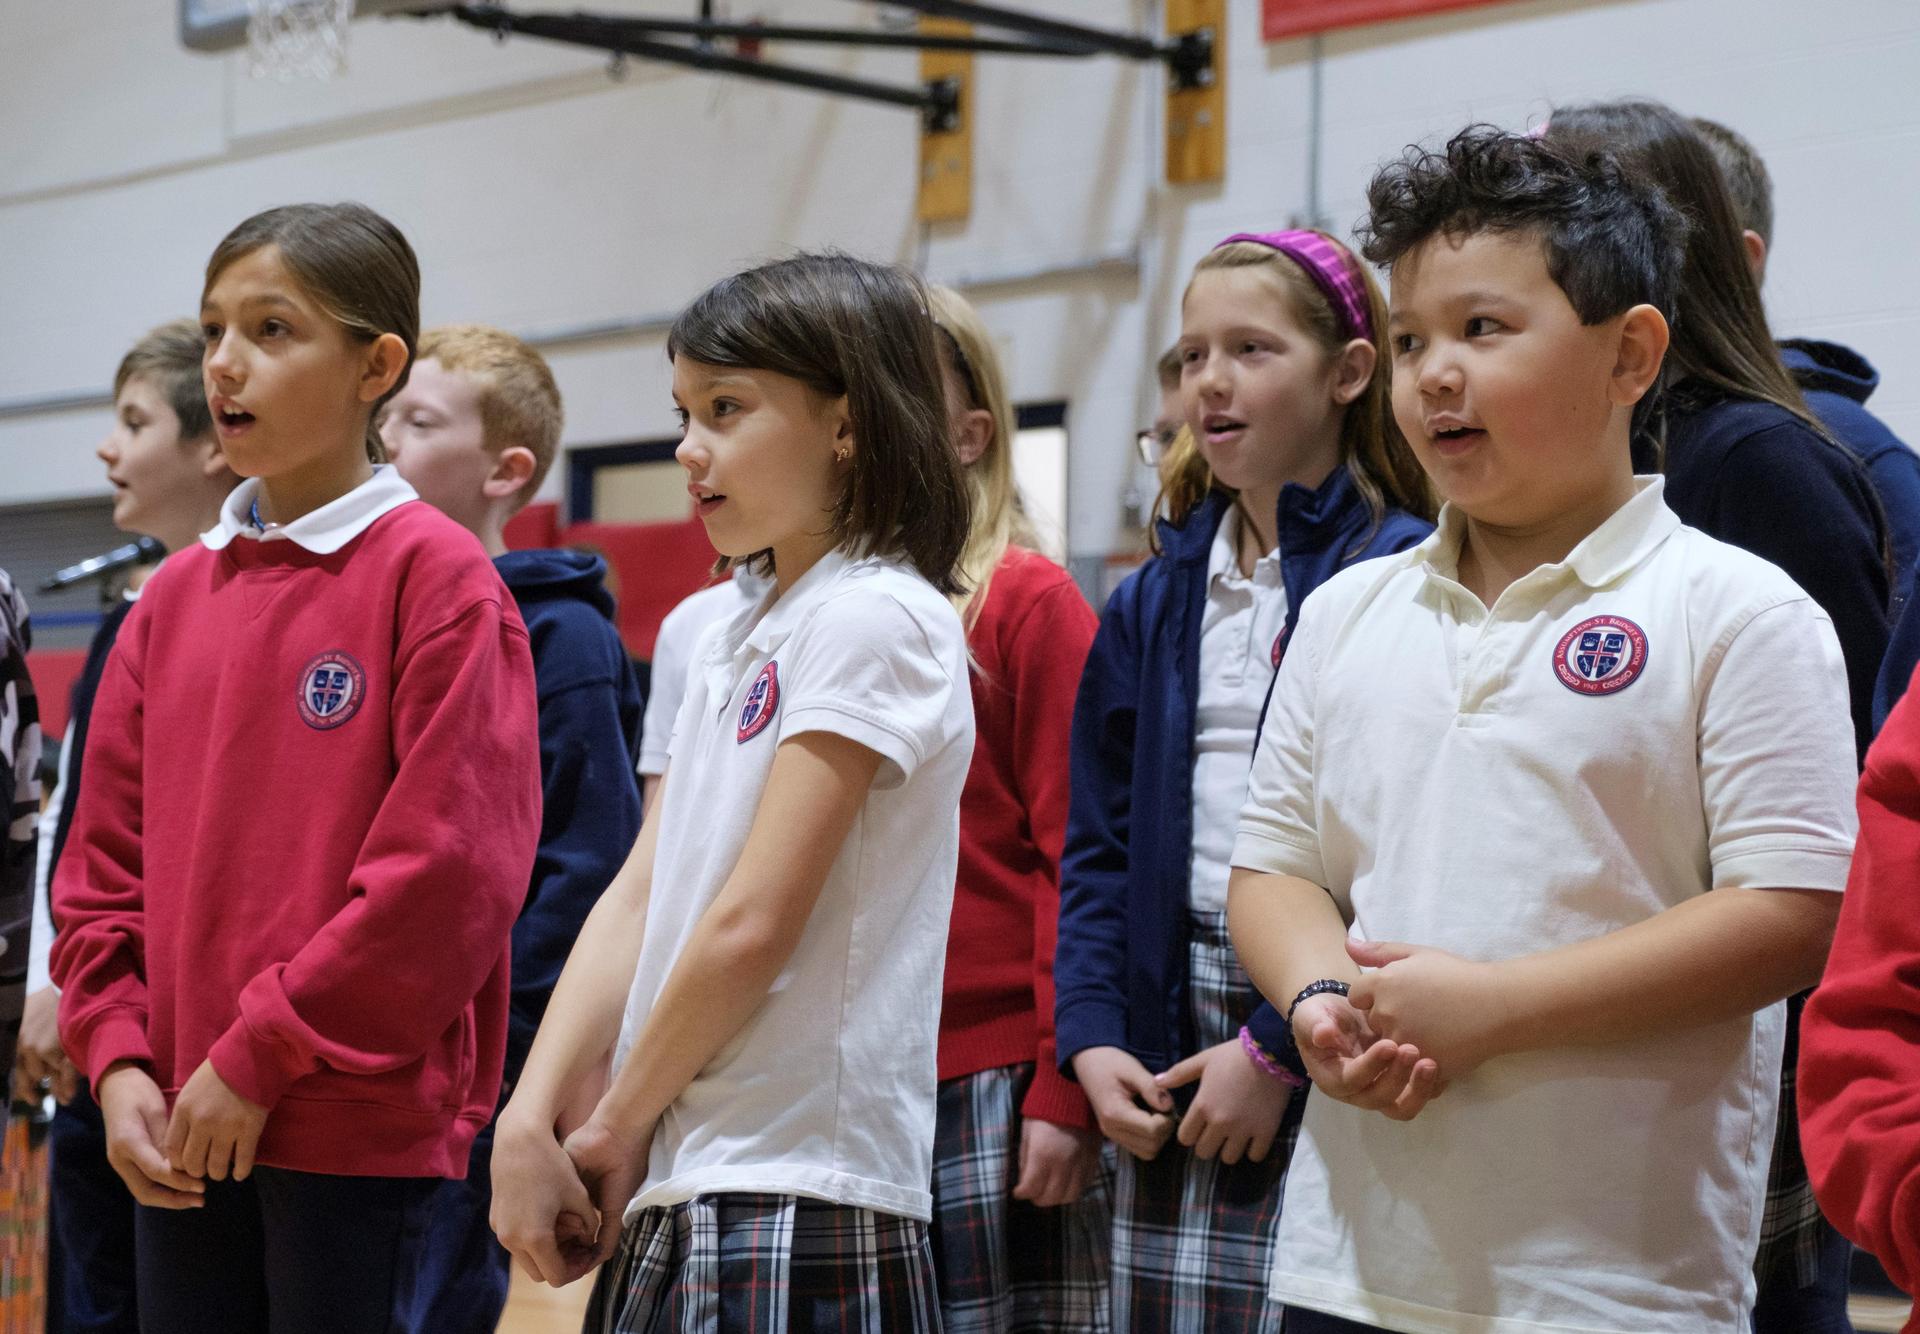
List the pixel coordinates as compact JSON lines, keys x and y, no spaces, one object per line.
{"x":298,"y":39}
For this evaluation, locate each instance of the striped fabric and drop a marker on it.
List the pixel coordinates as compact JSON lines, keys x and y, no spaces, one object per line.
{"x":1193,"y":1238}
{"x":20,"y":789}
{"x":767,"y":1264}
{"x":1002,"y":1264}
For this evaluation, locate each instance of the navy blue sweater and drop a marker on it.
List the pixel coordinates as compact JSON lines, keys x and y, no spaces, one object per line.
{"x":590,"y":710}
{"x":1120,"y":970}
{"x":1757,"y":477}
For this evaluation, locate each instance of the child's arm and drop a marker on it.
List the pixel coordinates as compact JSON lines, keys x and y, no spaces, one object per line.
{"x":1288,"y":931}
{"x":1716,"y":957}
{"x":99,"y":957}
{"x":440,"y":876}
{"x":590,"y":819}
{"x":816,"y":789}
{"x":1776,"y":778}
{"x":1090,"y":960}
{"x":1059,"y":1146}
{"x":1860,"y":1033}
{"x":541,"y":1211}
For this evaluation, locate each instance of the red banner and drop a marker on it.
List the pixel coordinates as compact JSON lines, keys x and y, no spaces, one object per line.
{"x":1297,"y":18}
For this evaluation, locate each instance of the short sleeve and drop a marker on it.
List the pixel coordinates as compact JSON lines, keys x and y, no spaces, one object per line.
{"x":867,"y":667}
{"x":1278,"y":831}
{"x":668,"y":687}
{"x":1776,"y":754}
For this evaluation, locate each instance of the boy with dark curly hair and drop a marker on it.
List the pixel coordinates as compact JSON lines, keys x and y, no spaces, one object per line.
{"x":1549,"y":814}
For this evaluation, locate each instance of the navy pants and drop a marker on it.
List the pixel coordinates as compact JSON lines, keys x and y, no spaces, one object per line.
{"x":464,"y":1270}
{"x":89,"y":1228}
{"x":1818,"y":1308}
{"x":286,"y":1253}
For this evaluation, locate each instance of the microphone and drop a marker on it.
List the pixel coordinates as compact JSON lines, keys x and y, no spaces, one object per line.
{"x":97,"y":567}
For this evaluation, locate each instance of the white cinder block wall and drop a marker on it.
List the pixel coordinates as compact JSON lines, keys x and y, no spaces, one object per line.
{"x":543,"y":195}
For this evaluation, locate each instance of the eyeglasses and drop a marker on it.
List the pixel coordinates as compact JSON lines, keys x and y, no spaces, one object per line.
{"x":1153,"y":443}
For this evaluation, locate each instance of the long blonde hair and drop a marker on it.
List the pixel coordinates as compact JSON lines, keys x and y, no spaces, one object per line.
{"x":998,"y":521}
{"x":1377,"y":457}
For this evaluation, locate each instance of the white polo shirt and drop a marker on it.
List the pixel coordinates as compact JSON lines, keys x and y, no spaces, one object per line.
{"x":673,"y":657}
{"x":1240,"y":628}
{"x":1657,"y":716}
{"x":828,"y":1092}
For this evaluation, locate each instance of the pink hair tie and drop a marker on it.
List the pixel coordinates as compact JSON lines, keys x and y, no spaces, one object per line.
{"x":1333,"y":270}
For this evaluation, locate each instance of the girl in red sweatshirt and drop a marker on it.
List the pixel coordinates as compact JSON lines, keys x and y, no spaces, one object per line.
{"x":1859,"y":1075}
{"x":307,"y":820}
{"x":1021,"y":1211}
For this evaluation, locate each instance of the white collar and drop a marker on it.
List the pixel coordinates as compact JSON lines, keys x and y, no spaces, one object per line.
{"x":1624,"y":539}
{"x":1223,"y":557}
{"x":323,"y":531}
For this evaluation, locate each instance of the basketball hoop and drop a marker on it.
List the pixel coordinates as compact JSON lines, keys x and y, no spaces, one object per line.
{"x":298,"y":39}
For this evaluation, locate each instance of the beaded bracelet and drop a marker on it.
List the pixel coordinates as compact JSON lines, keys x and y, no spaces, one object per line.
{"x":1325,"y":986}
{"x":1258,"y":1055}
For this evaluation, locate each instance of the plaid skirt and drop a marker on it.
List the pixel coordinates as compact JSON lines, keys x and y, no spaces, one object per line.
{"x":766,"y":1264}
{"x":1003,"y":1265}
{"x":1193,"y":1238}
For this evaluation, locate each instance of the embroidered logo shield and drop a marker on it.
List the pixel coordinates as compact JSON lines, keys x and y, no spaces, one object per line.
{"x":763,"y":698}
{"x":331,"y":688}
{"x":1601,"y":655}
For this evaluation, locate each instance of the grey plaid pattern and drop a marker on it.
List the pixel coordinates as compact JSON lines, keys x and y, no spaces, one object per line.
{"x":1004,"y":1266}
{"x":767,"y":1264}
{"x":1193,"y":1240}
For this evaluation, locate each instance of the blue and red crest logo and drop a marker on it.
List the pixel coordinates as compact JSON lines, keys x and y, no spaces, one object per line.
{"x":331,"y":688}
{"x":1601,"y":655}
{"x":762,"y":700}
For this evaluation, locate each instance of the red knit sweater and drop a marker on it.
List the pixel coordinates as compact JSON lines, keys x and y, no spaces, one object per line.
{"x":1029,"y":643}
{"x":307,"y":820}
{"x":1859,"y":1077}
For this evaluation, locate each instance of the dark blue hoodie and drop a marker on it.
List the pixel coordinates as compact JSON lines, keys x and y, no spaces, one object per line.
{"x":590,"y":709}
{"x":1120,"y":969}
{"x":1837,"y":382}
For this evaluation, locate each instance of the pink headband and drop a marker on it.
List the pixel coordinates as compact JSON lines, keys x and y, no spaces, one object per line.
{"x":1332,"y":269}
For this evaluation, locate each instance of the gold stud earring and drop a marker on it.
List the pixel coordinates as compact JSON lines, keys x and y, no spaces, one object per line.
{"x":842,"y":455}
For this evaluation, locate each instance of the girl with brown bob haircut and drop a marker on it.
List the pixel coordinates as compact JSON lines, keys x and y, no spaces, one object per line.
{"x":763,"y":970}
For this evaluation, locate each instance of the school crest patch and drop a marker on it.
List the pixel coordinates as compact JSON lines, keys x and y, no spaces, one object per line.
{"x":331,"y":688}
{"x":1601,"y":655}
{"x":763,"y":699}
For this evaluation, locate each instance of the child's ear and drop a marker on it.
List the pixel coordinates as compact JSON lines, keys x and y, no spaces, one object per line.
{"x":512,"y":470}
{"x":1756,"y":247}
{"x":840,"y":416}
{"x":208,"y":456}
{"x":386,"y":359}
{"x":1643,"y":346}
{"x":975,"y":434}
{"x":1352,"y":370}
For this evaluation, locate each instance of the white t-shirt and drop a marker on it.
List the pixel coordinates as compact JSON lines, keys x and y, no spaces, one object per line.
{"x":1657,"y":716}
{"x":1240,"y":628}
{"x":828,"y":1092}
{"x":673,"y":657}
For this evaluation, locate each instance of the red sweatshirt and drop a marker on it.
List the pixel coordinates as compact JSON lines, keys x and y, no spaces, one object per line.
{"x":307,"y":820}
{"x":1859,"y":1077}
{"x":1029,"y":643}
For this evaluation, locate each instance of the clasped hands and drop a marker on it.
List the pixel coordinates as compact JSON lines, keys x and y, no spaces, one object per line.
{"x":165,"y":1160}
{"x":1419,"y":1018}
{"x":558,"y":1206}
